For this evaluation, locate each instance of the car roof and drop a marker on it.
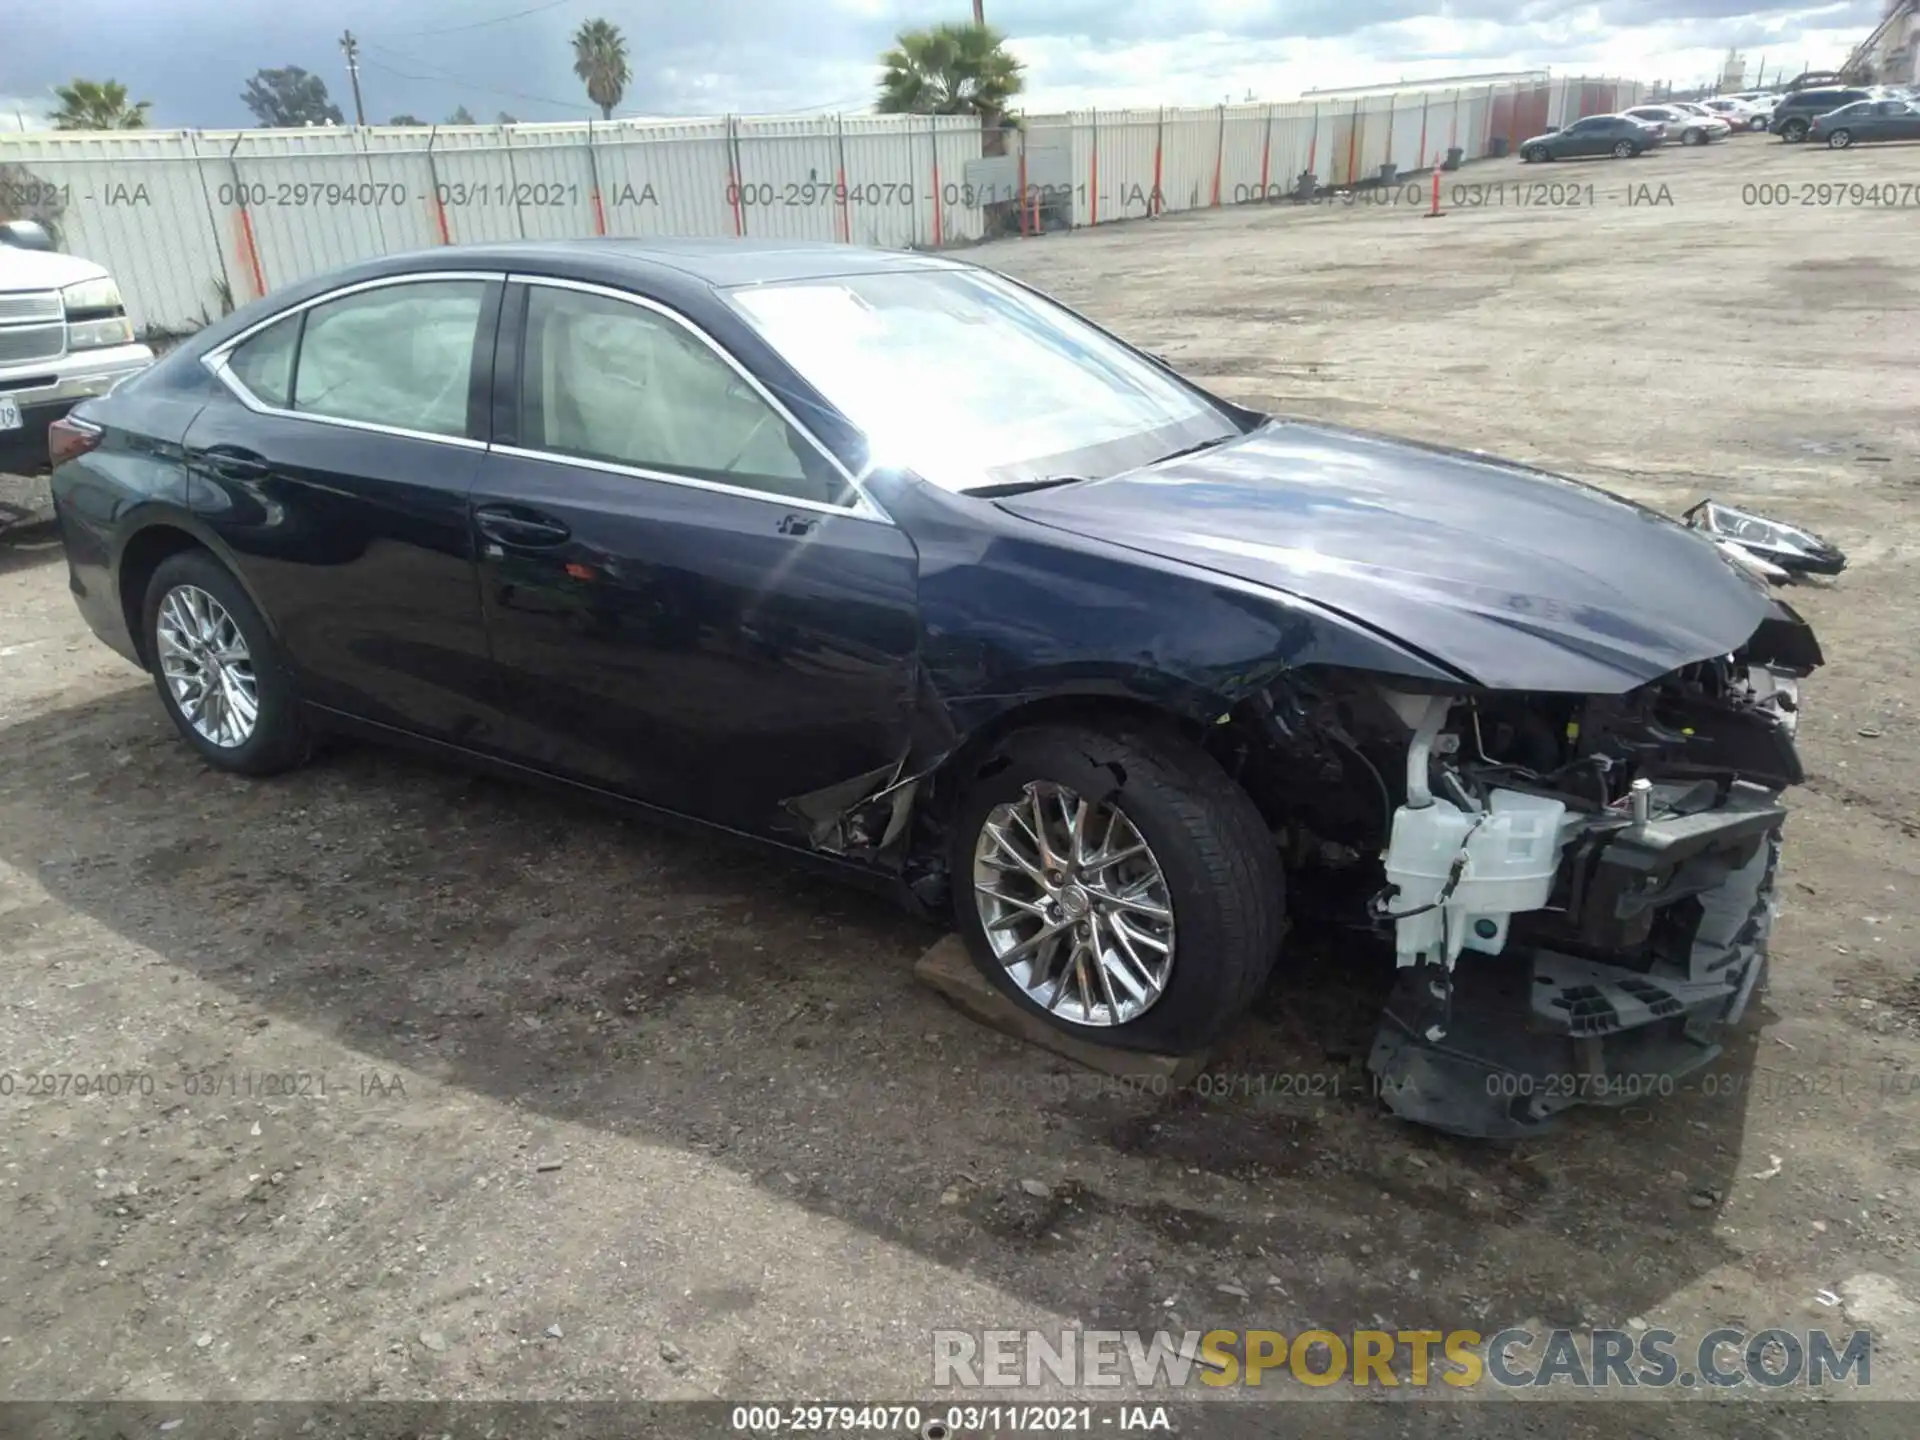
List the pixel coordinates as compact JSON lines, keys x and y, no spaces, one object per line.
{"x":676,"y":270}
{"x":718,"y":262}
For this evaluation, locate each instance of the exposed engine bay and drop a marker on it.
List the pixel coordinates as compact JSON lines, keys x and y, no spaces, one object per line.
{"x":1577,"y":889}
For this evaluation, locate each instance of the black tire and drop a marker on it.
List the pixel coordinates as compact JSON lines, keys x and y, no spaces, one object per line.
{"x":1693,"y":137}
{"x":1539,"y":153}
{"x":1219,"y":860}
{"x":1794,"y":131}
{"x":1623,"y":148}
{"x":1839,"y":139}
{"x":280,"y":739}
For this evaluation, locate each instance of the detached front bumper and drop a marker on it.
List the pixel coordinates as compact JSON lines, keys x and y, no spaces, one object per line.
{"x":1545,"y":1026}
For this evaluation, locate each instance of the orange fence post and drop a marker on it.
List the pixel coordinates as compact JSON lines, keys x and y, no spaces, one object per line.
{"x":1219,"y":153}
{"x":1266,"y":153}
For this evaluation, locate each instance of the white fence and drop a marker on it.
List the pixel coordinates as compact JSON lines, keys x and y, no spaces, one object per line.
{"x":191,"y":222}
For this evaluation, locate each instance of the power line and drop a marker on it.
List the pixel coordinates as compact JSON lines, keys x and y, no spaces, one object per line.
{"x":445,"y":78}
{"x":482,"y":24}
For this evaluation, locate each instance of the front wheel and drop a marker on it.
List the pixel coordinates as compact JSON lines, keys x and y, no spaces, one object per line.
{"x":1839,"y":139}
{"x":219,"y":670}
{"x":1119,"y":885}
{"x":1794,"y":131}
{"x":1538,"y":153}
{"x":1623,"y":149}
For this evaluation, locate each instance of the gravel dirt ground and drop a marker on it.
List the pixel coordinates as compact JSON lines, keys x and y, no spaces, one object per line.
{"x":574,"y":1108}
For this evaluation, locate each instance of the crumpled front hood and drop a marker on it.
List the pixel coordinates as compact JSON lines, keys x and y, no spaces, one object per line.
{"x":1520,"y":579}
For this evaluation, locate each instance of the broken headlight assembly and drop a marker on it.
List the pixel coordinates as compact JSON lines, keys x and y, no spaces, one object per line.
{"x":1781,"y":551}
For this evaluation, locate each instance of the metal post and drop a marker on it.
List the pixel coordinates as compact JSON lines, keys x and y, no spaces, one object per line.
{"x":1159,"y":142}
{"x":373,"y":188}
{"x":1219,"y":153}
{"x":513,"y":182}
{"x":1093,"y":172}
{"x":840,"y":164}
{"x":734,"y":178}
{"x":1266,"y":157}
{"x":433,"y":175}
{"x":593,"y":178}
{"x":213,"y":225}
{"x":247,"y":238}
{"x":1353,"y":142}
{"x":933,"y":136}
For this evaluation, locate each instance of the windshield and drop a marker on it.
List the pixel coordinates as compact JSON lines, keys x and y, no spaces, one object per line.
{"x":972,"y":382}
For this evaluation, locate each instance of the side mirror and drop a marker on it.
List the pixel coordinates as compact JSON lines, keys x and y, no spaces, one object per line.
{"x":25,"y":235}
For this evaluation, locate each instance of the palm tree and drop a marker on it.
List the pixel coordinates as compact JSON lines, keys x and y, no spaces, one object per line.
{"x":600,"y":59}
{"x":98,"y":105}
{"x":949,"y":70}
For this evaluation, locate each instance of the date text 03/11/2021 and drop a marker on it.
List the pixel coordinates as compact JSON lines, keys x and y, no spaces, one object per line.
{"x":241,"y":1084}
{"x":954,"y":1420}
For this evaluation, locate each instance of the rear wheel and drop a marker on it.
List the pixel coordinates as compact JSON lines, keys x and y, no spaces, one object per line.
{"x":1119,"y":885}
{"x":218,"y":669}
{"x":1694,"y":137}
{"x":1622,"y":149}
{"x":1839,"y":139}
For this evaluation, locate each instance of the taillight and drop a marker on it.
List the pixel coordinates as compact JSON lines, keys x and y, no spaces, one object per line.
{"x":68,"y":439}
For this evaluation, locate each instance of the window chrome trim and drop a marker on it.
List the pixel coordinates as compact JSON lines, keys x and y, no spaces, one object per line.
{"x":864,"y":506}
{"x":217,"y":359}
{"x":609,"y":467}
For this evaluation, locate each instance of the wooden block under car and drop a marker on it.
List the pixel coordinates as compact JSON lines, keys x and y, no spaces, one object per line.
{"x":949,"y":969}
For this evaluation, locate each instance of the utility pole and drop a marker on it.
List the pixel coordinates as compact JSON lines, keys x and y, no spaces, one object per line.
{"x":351,"y":48}
{"x":980,"y":12}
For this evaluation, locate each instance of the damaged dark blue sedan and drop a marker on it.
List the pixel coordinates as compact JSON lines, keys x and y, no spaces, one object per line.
{"x":893,"y":562}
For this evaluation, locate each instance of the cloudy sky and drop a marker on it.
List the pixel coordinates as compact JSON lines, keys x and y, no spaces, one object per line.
{"x":191,"y":58}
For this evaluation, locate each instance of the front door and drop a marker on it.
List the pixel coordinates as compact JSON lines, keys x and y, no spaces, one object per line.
{"x":687,"y":600}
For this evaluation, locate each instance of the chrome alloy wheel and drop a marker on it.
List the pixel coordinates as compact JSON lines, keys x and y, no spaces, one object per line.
{"x":1074,"y":905}
{"x":207,"y":667}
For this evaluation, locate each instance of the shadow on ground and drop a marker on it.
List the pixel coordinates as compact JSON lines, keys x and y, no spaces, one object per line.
{"x":610,"y":974}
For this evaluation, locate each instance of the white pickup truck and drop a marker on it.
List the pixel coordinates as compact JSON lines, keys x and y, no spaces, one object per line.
{"x":64,"y":335}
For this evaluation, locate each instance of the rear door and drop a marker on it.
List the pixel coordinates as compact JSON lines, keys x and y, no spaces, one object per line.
{"x":688,"y":600}
{"x":335,"y":466}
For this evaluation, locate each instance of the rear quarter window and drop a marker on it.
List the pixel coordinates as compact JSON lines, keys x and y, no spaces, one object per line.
{"x":264,"y":364}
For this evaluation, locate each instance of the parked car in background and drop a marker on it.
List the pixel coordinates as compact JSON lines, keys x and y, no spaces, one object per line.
{"x":897,"y":564}
{"x":64,"y":335}
{"x":1596,"y":135}
{"x":1865,"y":122}
{"x":1681,"y":125}
{"x":1793,"y":117}
{"x":1696,"y":110}
{"x":1737,"y":113}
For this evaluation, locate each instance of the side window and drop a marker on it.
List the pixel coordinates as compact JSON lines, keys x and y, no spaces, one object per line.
{"x":265,"y":363}
{"x":605,"y":380}
{"x":399,"y":355}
